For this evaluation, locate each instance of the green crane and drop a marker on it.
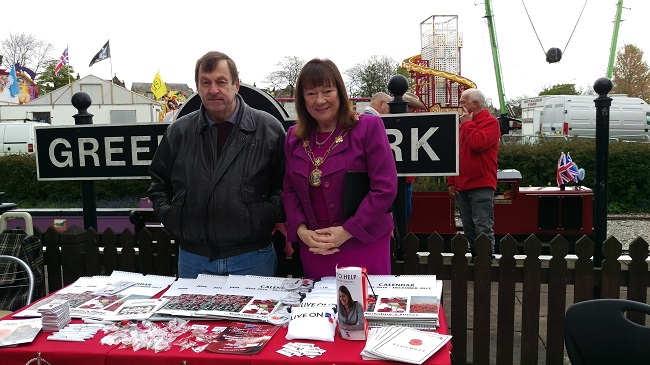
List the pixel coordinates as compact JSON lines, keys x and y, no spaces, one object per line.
{"x":504,"y":119}
{"x":612,"y":50}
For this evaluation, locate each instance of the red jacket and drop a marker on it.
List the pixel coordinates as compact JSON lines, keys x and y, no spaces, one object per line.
{"x":479,"y":150}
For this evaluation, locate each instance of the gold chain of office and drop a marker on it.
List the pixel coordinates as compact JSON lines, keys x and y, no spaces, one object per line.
{"x":315,"y":174}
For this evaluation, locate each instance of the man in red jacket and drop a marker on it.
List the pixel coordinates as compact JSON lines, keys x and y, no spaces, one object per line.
{"x":477,"y":179}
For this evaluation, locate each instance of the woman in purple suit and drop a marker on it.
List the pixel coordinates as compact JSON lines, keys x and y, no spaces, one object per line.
{"x":328,"y":140}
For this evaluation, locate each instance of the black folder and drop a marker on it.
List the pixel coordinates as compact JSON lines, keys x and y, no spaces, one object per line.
{"x":356,"y":186}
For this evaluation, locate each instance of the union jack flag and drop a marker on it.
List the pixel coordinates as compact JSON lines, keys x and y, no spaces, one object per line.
{"x":567,"y":171}
{"x":63,"y":60}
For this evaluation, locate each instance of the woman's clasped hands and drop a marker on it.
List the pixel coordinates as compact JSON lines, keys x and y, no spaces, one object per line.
{"x":325,"y":241}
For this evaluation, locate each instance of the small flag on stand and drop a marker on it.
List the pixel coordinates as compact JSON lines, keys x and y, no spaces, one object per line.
{"x":567,"y":171}
{"x":158,"y":87}
{"x":63,"y":60}
{"x":103,"y":54}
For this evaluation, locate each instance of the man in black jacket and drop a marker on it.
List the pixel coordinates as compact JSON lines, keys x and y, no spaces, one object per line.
{"x":217,"y":176}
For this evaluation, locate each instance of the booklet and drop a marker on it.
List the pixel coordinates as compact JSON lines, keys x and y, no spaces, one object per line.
{"x":13,"y":332}
{"x":243,"y":338}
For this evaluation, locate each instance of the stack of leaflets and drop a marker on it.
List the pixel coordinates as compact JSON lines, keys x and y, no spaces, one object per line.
{"x":56,"y":315}
{"x":402,"y":344}
{"x":404,"y":300}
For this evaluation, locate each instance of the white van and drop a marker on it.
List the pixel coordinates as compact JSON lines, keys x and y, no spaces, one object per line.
{"x":575,"y":115}
{"x":17,"y":137}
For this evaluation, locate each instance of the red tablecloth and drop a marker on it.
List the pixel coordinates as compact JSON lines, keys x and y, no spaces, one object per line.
{"x":91,"y":352}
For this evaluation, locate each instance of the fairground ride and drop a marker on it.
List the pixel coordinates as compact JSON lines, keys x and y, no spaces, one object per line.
{"x":436,"y":71}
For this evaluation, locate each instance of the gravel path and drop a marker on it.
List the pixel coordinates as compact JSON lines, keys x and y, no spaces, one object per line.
{"x":626,"y":230}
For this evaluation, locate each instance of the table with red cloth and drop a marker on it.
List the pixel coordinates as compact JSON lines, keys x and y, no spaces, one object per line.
{"x":91,"y":352}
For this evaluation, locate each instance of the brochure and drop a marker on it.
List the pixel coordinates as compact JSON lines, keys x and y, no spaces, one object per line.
{"x":243,"y":338}
{"x":352,"y":297}
{"x":13,"y":332}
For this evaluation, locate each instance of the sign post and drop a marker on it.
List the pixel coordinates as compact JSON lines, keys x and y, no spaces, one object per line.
{"x":82,"y":101}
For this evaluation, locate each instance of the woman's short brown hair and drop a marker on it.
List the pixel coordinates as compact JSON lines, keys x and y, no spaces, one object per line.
{"x":315,"y":73}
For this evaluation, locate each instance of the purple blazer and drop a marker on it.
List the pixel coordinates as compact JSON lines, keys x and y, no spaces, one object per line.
{"x":364,"y":148}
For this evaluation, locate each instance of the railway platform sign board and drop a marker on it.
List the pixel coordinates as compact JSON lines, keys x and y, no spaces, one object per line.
{"x":96,"y":152}
{"x":424,"y":144}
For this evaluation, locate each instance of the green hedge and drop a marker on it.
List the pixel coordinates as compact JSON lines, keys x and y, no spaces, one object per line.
{"x":18,"y":181}
{"x":628,"y":169}
{"x":629,"y":175}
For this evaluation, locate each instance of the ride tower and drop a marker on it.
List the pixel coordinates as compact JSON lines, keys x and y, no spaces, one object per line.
{"x":437,"y":79}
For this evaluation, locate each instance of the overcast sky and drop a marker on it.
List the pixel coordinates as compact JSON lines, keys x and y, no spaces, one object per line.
{"x":147,"y":36}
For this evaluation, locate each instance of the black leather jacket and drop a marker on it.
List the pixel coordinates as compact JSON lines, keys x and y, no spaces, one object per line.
{"x":228,"y":209}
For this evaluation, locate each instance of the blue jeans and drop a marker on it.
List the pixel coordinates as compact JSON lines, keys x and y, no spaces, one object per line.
{"x":261,"y":262}
{"x":477,"y":214}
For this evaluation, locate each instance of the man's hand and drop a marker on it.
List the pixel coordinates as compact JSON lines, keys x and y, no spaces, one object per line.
{"x":466,"y":115}
{"x":452,"y":190}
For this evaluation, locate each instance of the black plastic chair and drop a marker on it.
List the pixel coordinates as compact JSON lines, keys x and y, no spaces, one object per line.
{"x":598,"y":332}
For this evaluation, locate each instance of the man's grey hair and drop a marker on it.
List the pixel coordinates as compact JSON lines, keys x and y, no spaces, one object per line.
{"x":379,"y":97}
{"x":476,"y":95}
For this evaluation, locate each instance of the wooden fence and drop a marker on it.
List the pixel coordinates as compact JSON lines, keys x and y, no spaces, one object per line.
{"x":470,"y":286}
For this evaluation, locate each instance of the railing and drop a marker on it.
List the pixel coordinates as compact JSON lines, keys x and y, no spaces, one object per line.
{"x":568,"y":279}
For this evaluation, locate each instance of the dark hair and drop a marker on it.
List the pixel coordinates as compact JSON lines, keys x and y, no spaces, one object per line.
{"x":344,"y":289}
{"x":209,"y":62}
{"x":315,"y":73}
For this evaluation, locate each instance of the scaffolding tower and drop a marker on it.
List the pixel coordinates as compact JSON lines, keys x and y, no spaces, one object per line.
{"x":440,"y":50}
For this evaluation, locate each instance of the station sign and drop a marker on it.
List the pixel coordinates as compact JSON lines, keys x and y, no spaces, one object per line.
{"x":96,"y":152}
{"x":423,"y":144}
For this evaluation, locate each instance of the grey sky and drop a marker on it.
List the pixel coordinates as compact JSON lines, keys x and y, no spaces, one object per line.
{"x":146,"y":36}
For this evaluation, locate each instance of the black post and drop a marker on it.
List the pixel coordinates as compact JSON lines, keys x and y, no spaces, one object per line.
{"x":82,"y":101}
{"x":397,"y":86}
{"x":602,"y":86}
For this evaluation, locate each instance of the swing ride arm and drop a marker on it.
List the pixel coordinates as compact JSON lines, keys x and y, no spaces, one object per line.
{"x":612,"y":50}
{"x":504,"y":119}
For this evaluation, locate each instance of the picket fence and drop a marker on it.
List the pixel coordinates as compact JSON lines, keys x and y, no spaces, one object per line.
{"x":566,"y":278}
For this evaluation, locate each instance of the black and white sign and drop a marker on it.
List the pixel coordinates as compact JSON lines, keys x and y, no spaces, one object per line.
{"x":96,"y":152}
{"x":423,"y":144}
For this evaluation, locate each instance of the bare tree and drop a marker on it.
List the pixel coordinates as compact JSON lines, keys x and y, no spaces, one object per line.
{"x":371,"y":76}
{"x":26,"y":50}
{"x":287,"y":75}
{"x":631,"y":73}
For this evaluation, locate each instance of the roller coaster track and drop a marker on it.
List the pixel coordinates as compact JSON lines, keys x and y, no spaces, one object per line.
{"x":411,"y":64}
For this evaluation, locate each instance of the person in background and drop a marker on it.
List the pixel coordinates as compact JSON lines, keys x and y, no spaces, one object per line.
{"x":351,"y":316}
{"x":327,"y":141}
{"x":378,"y":104}
{"x":477,"y":179}
{"x":216,"y":178}
{"x":415,"y":104}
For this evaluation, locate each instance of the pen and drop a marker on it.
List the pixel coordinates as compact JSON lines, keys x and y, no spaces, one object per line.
{"x":70,"y":339}
{"x":95,"y":321}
